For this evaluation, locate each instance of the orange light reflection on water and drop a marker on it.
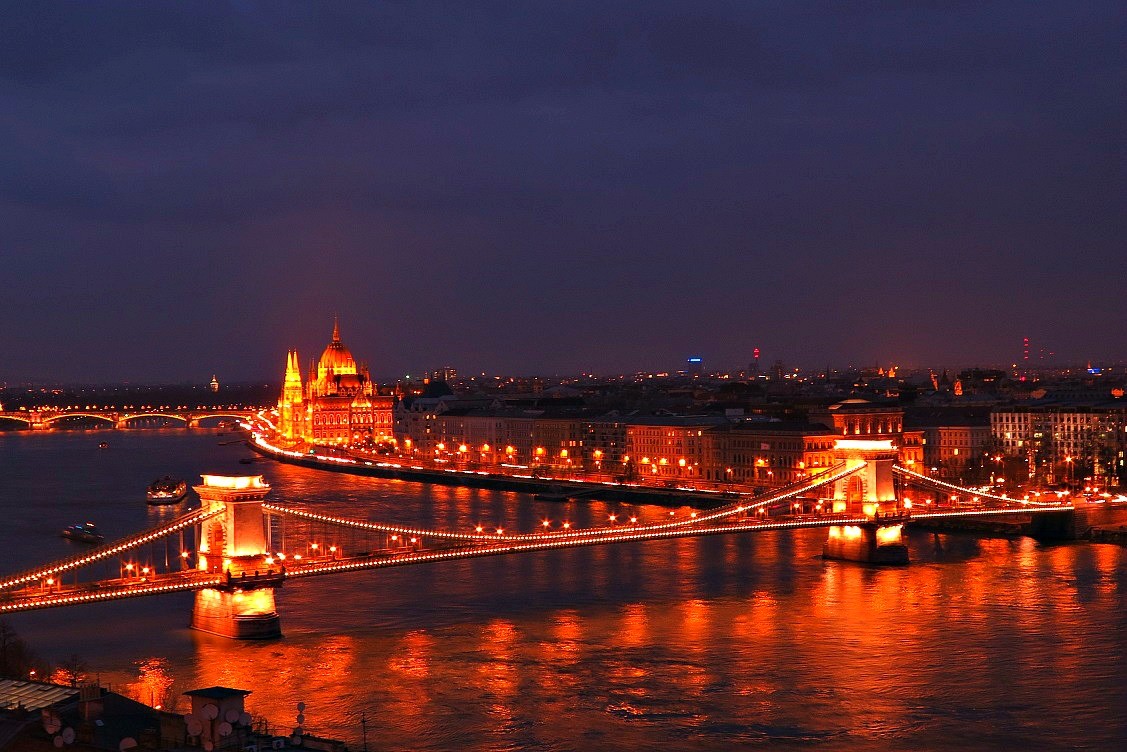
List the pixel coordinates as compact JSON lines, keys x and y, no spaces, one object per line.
{"x":154,"y":685}
{"x":282,"y":674}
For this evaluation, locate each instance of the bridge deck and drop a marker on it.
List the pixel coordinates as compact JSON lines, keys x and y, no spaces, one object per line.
{"x":37,"y":597}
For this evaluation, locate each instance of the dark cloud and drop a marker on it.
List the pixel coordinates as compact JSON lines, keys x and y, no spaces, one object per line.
{"x":193,"y":187}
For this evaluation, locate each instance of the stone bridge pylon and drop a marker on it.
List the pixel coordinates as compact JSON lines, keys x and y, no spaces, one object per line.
{"x":236,"y":544}
{"x":870,"y":491}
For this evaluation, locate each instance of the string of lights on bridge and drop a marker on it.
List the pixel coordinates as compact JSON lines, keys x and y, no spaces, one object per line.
{"x":554,"y":542}
{"x":481,"y":542}
{"x":116,"y":593}
{"x":513,"y":542}
{"x":611,"y":536}
{"x":935,"y":482}
{"x":480,"y":533}
{"x":104,"y":552}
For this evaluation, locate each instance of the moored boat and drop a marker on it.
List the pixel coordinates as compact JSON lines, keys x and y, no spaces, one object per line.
{"x":553,"y":493}
{"x":86,"y":532}
{"x":166,"y":490}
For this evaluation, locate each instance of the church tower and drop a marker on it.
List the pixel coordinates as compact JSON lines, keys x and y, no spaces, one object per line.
{"x":291,"y":408}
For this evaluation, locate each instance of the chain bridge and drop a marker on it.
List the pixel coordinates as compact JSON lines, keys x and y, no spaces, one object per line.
{"x":237,"y":548}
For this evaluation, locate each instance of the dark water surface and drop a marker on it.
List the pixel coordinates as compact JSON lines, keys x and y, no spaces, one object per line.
{"x":715,"y":643}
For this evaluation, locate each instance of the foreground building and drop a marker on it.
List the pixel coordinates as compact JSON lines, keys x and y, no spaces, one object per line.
{"x":41,"y":717}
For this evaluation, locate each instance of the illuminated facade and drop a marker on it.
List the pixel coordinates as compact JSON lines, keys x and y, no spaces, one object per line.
{"x":767,"y":453}
{"x":861,"y":419}
{"x":339,"y":404}
{"x":1065,"y":442}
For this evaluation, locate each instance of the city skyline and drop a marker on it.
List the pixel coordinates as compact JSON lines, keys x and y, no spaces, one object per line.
{"x":1033,"y":361}
{"x":195,"y":189}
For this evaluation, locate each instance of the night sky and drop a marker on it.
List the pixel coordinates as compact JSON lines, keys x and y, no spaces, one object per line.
{"x":554,"y":187}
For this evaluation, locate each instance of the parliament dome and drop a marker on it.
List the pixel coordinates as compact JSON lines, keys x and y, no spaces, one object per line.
{"x":336,"y":356}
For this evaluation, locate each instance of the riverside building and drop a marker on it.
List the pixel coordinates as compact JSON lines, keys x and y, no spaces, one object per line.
{"x":339,"y":405}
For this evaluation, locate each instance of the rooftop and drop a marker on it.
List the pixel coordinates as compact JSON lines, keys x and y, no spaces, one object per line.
{"x":217,"y":693}
{"x":16,"y":693}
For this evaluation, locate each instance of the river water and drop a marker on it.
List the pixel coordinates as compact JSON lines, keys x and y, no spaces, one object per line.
{"x":714,"y":643}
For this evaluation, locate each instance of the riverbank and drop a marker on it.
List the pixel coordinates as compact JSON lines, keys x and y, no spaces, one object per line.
{"x":550,"y":489}
{"x":1018,"y":527}
{"x":990,"y":527}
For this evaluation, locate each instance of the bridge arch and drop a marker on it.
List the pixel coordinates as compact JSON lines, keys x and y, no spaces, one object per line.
{"x":124,"y":419}
{"x":48,"y":419}
{"x":207,"y":416}
{"x":17,"y":418}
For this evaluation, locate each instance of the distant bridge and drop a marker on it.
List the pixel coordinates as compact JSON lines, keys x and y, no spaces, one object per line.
{"x":46,"y":419}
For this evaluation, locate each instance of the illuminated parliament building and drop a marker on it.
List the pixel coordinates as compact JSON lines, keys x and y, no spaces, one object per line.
{"x":338,"y":405}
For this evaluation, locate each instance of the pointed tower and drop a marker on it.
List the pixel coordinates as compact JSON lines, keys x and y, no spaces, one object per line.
{"x":291,"y":411}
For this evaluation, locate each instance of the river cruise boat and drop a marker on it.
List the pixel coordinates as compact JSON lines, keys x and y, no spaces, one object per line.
{"x":166,"y":490}
{"x":86,"y":532}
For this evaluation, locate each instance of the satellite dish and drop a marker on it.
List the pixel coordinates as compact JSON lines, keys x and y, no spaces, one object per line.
{"x":52,"y":724}
{"x":232,"y":715}
{"x":295,"y":740}
{"x":225,"y":729}
{"x":244,"y":719}
{"x":68,"y":735}
{"x":58,"y":742}
{"x":301,"y":707}
{"x":209,"y":745}
{"x":210,"y":712}
{"x":195,"y":728}
{"x":127,"y":743}
{"x":301,"y":718}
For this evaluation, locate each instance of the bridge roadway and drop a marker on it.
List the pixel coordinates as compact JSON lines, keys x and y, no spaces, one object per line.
{"x":558,"y":540}
{"x":44,"y":586}
{"x":57,"y":568}
{"x":49,"y":590}
{"x":57,"y":594}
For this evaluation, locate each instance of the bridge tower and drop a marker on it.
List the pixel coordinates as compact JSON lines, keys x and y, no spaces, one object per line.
{"x":868,"y":492}
{"x":235,"y":544}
